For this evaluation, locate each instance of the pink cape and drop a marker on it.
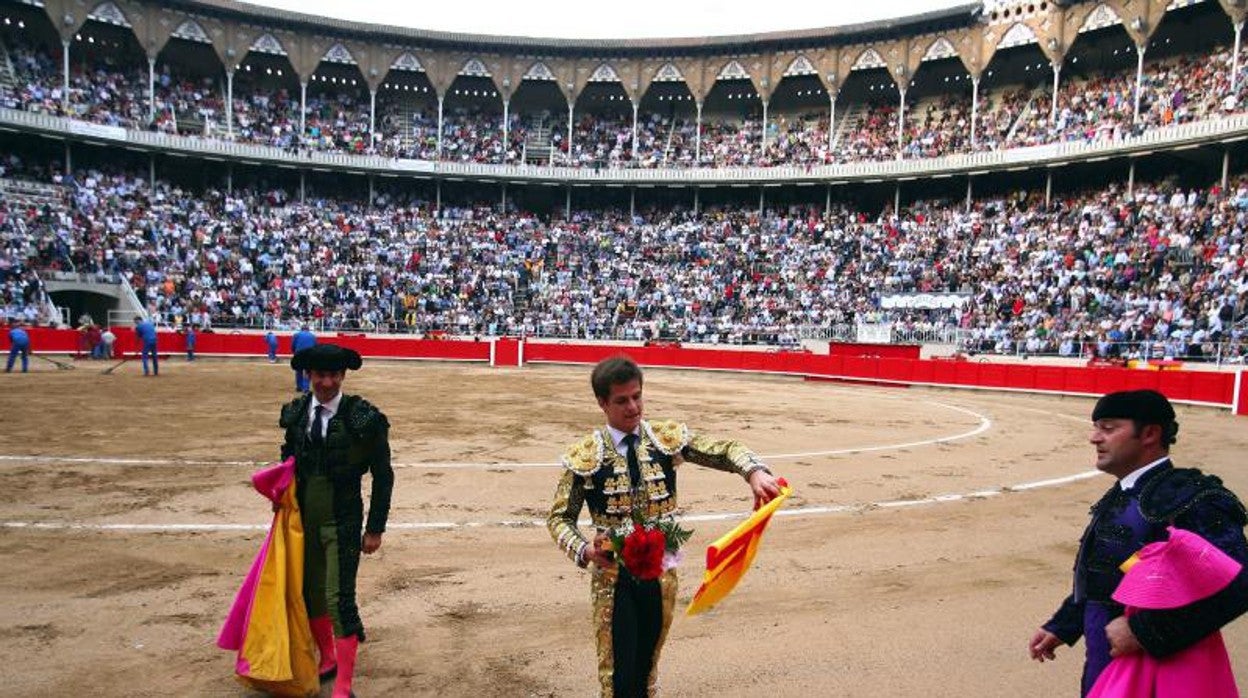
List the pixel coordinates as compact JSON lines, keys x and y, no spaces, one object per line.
{"x":1170,"y":574}
{"x":1202,"y":670}
{"x":268,"y":623}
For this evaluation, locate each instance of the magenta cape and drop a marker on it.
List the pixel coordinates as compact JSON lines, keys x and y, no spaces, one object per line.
{"x":268,"y":623}
{"x":1169,"y":574}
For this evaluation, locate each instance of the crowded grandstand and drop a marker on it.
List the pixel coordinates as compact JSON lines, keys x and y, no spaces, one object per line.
{"x":1060,"y":178}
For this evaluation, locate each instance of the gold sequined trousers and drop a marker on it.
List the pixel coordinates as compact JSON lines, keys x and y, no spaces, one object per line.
{"x":603,"y":590}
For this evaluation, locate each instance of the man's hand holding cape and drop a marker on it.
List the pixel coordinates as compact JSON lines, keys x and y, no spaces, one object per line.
{"x":268,"y":623}
{"x":728,"y":558}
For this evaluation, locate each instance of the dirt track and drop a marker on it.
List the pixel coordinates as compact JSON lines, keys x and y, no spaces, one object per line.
{"x":936,"y":599}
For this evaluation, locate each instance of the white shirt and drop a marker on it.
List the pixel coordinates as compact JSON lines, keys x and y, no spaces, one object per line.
{"x":1129,"y":481}
{"x":617,"y":439}
{"x":330,"y":409}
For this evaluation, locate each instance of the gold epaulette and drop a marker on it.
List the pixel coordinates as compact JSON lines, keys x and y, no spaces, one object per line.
{"x":668,"y":437}
{"x":585,"y":456}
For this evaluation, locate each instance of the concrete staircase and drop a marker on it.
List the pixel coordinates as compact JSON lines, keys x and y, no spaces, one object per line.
{"x":537,"y":148}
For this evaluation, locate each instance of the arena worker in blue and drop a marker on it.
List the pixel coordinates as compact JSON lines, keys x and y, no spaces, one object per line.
{"x":270,"y":342}
{"x":303,"y":339}
{"x":191,"y":336}
{"x":145,"y":331}
{"x":1132,"y":432}
{"x":19,"y":344}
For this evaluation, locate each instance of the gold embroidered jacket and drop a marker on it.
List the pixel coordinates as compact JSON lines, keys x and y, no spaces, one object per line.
{"x":595,"y":475}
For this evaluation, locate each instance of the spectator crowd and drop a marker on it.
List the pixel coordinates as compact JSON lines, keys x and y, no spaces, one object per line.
{"x":1105,"y":268}
{"x":1095,"y":105}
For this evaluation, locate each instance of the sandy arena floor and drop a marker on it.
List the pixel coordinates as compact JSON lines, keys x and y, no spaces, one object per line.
{"x":935,"y":599}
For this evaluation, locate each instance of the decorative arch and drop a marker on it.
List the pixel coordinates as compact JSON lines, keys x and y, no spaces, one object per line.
{"x":940,"y":48}
{"x":267,"y":43}
{"x":1018,"y":35}
{"x":339,"y":54}
{"x":604,"y":73}
{"x":475,"y":68}
{"x":668,"y":73}
{"x":409,"y":63}
{"x":109,"y":13}
{"x":800,"y":66}
{"x":1099,"y":18}
{"x":733,"y":70}
{"x":540,"y":71}
{"x":869,"y":58}
{"x":190,"y":30}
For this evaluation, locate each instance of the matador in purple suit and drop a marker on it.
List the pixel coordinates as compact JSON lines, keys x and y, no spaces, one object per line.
{"x":1132,"y":432}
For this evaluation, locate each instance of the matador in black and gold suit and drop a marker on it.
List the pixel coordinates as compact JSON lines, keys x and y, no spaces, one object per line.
{"x":632,"y":617}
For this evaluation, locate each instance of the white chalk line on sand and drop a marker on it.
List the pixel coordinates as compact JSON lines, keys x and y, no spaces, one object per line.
{"x":537,"y":523}
{"x":984,"y":424}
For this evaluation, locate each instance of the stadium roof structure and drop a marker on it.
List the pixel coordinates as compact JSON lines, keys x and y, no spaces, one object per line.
{"x":964,"y":43}
{"x":937,"y":20}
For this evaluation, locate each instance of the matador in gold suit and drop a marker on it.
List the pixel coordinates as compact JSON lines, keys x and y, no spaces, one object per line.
{"x":631,"y":463}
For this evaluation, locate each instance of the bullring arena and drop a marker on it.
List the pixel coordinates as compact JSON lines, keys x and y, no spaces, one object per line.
{"x":1049,"y":191}
{"x":930,"y":533}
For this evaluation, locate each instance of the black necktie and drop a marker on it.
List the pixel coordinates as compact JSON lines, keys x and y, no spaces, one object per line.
{"x":317,"y":435}
{"x":634,"y":465}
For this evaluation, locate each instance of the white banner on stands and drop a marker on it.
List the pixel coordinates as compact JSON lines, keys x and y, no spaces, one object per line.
{"x":925,"y":301}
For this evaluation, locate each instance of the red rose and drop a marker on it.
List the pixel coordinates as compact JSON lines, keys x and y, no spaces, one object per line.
{"x":643,"y":553}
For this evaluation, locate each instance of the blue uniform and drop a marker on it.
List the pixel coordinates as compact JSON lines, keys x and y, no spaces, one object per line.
{"x":190,"y":343}
{"x":270,"y":341}
{"x":146,"y":332}
{"x":303,"y":339}
{"x":19,"y":342}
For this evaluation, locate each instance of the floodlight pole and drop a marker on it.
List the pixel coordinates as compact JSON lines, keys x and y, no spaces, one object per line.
{"x":697,"y":138}
{"x":372,"y":119}
{"x":831,"y":122}
{"x":65,"y":75}
{"x":568,"y":159}
{"x":151,"y":89}
{"x":303,"y":107}
{"x":974,"y":109}
{"x":506,"y":130}
{"x":1057,"y":73}
{"x":440,"y":101}
{"x":635,"y":106}
{"x":229,"y":103}
{"x":764,"y":139}
{"x":1239,"y":30}
{"x":901,"y":121}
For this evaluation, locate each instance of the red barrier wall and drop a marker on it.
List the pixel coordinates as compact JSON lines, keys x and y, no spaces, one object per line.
{"x":507,"y":352}
{"x":884,"y":351}
{"x":1202,"y":387}
{"x":44,"y":339}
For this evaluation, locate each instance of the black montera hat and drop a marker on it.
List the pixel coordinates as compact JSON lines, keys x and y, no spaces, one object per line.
{"x":1143,"y":406}
{"x":326,"y":357}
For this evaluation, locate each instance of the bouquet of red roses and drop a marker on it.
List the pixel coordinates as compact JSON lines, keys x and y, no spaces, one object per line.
{"x":647,"y":549}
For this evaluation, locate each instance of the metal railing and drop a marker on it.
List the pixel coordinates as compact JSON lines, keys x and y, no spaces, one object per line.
{"x":1193,"y":133}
